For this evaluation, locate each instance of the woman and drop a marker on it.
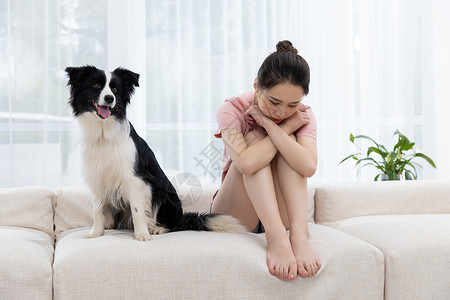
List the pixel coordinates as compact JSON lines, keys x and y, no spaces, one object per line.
{"x":270,"y":150}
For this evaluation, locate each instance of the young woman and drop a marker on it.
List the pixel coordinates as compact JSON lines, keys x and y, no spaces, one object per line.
{"x":270,"y":150}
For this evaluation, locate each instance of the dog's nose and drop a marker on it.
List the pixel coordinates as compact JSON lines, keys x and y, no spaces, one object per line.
{"x":109,"y":99}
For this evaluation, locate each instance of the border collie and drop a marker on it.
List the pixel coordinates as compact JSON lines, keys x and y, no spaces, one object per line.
{"x":130,"y":189}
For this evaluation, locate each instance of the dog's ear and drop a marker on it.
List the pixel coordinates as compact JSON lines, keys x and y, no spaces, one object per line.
{"x":76,"y":73}
{"x":127,"y":76}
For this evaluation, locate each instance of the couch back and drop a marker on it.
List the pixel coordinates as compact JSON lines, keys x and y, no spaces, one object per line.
{"x":73,"y":207}
{"x":54,"y":212}
{"x":29,"y":207}
{"x":338,"y":201}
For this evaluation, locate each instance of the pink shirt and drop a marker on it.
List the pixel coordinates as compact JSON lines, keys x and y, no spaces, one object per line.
{"x":230,"y":114}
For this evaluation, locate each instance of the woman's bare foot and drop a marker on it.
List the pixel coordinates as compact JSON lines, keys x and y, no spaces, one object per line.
{"x":308,"y":262}
{"x":280,"y":258}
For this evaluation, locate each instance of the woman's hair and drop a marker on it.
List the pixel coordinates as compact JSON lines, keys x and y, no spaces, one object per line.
{"x":284,"y":66}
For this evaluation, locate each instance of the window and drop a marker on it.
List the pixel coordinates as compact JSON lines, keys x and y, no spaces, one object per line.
{"x":375,"y":66}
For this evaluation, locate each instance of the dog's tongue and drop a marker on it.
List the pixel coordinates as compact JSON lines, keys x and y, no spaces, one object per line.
{"x":104,"y":111}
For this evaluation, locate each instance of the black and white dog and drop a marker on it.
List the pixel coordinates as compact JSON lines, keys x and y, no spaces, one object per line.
{"x":130,"y":189}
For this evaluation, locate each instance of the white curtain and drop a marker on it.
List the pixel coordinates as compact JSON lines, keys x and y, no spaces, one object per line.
{"x":376,"y":66}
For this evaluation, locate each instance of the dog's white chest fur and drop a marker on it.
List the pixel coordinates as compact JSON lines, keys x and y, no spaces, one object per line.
{"x":108,"y":155}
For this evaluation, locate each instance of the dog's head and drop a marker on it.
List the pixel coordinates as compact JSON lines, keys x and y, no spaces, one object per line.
{"x":101,"y":93}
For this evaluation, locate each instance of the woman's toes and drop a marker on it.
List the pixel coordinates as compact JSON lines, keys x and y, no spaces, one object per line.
{"x":271,"y":269}
{"x":316,"y":265}
{"x":285,"y":273}
{"x":281,"y":259}
{"x":313,"y":269}
{"x":292,"y":276}
{"x":303,"y":273}
{"x":309,"y":269}
{"x":277,"y":272}
{"x":292,"y":271}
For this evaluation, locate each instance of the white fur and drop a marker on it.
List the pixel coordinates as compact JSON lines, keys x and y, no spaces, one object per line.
{"x":107,"y":91}
{"x":224,"y":223}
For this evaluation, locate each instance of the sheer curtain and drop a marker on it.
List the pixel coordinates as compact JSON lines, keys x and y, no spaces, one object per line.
{"x":376,"y":66}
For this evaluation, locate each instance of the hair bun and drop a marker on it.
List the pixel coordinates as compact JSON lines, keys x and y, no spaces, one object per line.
{"x":286,"y":46}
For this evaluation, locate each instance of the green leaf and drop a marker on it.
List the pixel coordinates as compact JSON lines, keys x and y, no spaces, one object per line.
{"x":371,"y":164}
{"x":429,"y":160}
{"x":403,"y":143}
{"x":380,"y":147}
{"x":361,"y":136}
{"x":401,"y":137}
{"x":352,"y":138}
{"x":414,"y":171}
{"x":376,"y":150}
{"x":367,"y":158}
{"x":411,"y":175}
{"x":350,"y":156}
{"x":376,"y":177}
{"x":390,"y":157}
{"x":407,"y":175}
{"x":408,"y":146}
{"x":398,"y":145}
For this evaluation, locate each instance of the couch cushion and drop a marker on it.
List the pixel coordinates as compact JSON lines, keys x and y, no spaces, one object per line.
{"x":416,"y":250}
{"x":339,"y":201}
{"x":30,"y":207}
{"x":26,"y":257}
{"x":206,"y":265}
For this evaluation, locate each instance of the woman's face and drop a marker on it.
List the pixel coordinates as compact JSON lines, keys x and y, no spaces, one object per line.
{"x":279,"y":102}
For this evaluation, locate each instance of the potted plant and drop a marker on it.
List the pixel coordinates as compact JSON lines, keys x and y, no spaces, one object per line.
{"x":392,"y":164}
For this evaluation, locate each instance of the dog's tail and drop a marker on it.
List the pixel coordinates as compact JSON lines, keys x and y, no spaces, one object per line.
{"x":209,"y":222}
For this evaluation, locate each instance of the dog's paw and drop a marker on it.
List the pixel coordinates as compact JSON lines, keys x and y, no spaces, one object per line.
{"x":91,"y":235}
{"x":158,"y":230}
{"x":109,"y":224}
{"x":142,"y":237}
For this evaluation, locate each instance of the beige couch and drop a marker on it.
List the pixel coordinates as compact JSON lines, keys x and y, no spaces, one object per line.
{"x":386,"y":240}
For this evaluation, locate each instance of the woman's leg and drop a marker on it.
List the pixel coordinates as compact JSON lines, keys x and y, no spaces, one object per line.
{"x":292,"y":198}
{"x":232,"y":199}
{"x":252,"y":197}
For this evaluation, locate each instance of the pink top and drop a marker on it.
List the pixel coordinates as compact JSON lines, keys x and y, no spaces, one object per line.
{"x":230,"y":114}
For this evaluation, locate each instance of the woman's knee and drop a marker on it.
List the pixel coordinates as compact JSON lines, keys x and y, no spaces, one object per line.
{"x":283,"y":167}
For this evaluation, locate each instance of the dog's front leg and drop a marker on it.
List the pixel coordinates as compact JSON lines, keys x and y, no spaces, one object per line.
{"x":141,"y":232}
{"x":99,"y":221}
{"x":139,"y":199}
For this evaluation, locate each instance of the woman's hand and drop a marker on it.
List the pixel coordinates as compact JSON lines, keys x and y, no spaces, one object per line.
{"x":297,"y":120}
{"x":254,"y":114}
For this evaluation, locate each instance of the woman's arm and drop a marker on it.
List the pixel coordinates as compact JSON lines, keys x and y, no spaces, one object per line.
{"x":301,"y":153}
{"x":249,"y":159}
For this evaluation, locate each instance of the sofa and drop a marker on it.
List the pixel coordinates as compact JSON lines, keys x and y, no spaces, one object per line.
{"x":378,"y":240}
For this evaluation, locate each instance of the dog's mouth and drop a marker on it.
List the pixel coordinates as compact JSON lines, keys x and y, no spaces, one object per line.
{"x":102,"y":111}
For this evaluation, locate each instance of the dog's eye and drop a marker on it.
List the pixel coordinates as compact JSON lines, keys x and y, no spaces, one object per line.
{"x":114,"y":90}
{"x":96,"y":86}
